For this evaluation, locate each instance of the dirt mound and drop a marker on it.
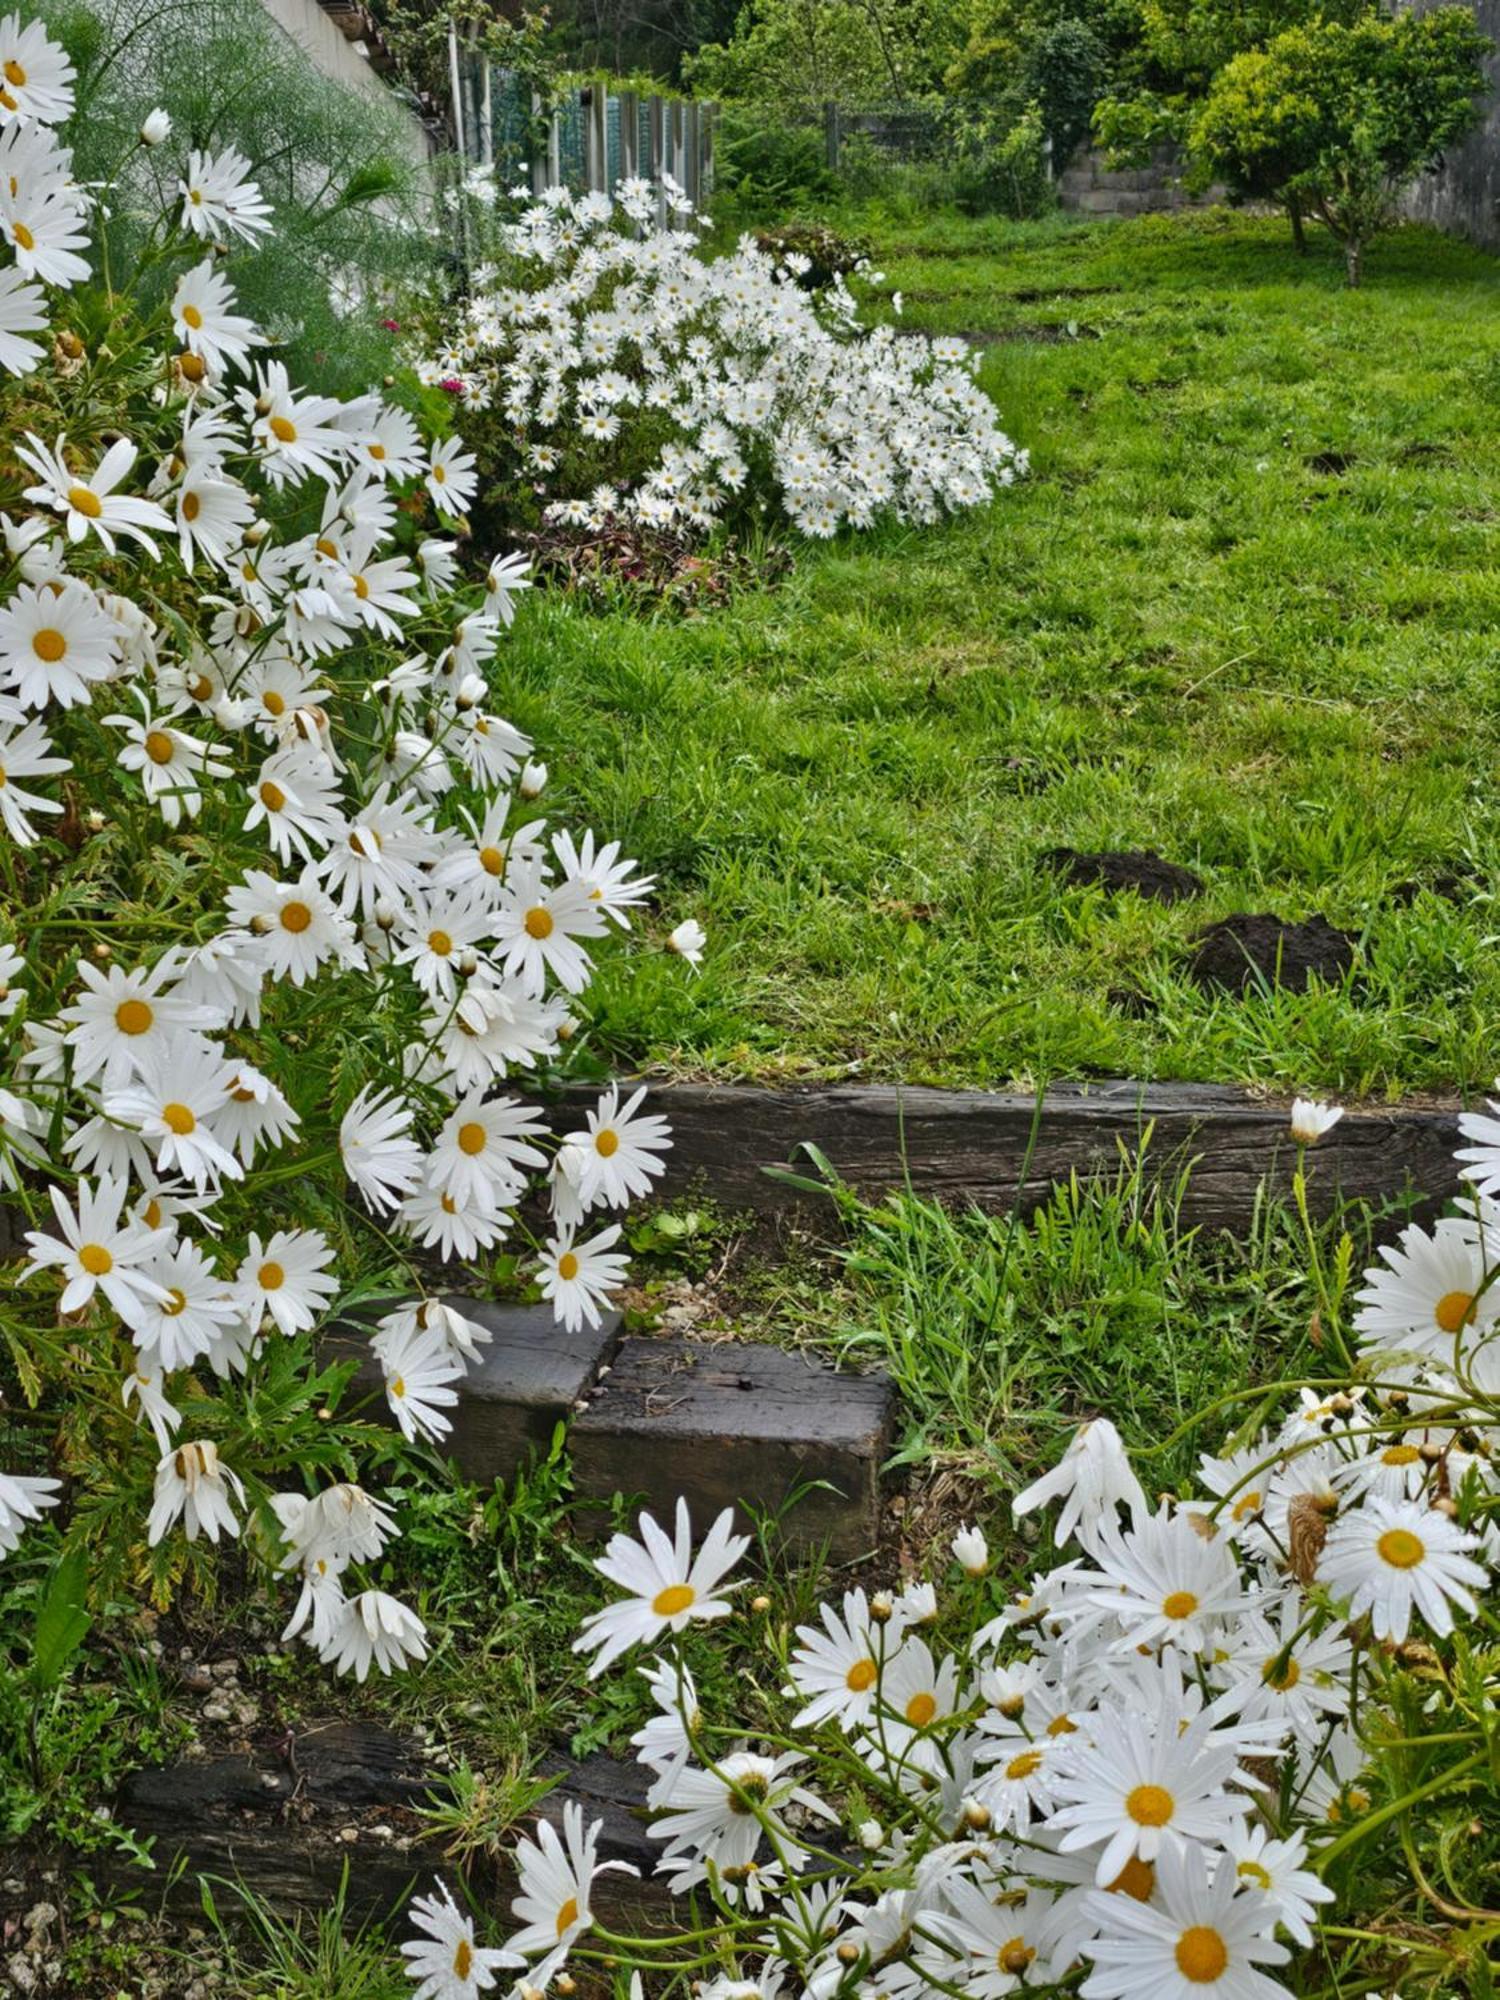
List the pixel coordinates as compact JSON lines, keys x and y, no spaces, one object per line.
{"x":1244,"y":951}
{"x":1131,"y":868}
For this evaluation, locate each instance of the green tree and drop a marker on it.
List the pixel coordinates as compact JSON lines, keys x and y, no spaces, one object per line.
{"x":1335,"y":121}
{"x":794,"y":55}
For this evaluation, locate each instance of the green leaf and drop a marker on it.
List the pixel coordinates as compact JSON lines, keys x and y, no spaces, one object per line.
{"x":62,"y":1620}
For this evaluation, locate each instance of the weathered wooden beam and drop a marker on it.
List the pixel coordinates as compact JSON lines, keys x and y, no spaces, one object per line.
{"x":737,"y":1424}
{"x":978,"y":1147}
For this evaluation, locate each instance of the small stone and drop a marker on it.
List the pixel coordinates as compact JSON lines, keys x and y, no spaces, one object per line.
{"x":225,"y":1670}
{"x":348,"y":1834}
{"x":21,"y":1973}
{"x":383,"y":1832}
{"x":197,"y":1679}
{"x":40,"y":1917}
{"x":217,"y":1710}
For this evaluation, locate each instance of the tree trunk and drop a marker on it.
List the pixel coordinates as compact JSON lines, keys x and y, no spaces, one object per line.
{"x":1299,"y":232}
{"x":1354,"y":251}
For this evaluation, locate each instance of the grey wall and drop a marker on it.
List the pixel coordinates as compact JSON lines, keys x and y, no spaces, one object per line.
{"x":330,"y":50}
{"x":1464,"y":193}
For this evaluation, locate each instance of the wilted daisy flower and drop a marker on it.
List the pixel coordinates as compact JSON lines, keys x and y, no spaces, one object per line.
{"x":194,"y":1485}
{"x":379,"y":1154}
{"x":219,"y":199}
{"x":373,"y":1630}
{"x":1310,"y":1119}
{"x":669,"y":1587}
{"x":1092,"y":1478}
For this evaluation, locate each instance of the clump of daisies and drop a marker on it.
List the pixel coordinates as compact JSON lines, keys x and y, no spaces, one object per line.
{"x":286,"y":930}
{"x":1147,"y":1772}
{"x":627,"y":374}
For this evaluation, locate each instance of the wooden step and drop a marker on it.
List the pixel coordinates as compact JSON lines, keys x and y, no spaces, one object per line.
{"x":744,"y":1426}
{"x":997,"y":1149}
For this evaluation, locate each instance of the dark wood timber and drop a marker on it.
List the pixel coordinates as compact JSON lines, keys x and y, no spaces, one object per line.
{"x":732,"y":1424}
{"x":971,"y":1146}
{"x":285,"y":1818}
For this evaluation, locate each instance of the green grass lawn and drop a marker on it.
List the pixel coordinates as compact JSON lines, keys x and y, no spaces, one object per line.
{"x":1245,"y":612}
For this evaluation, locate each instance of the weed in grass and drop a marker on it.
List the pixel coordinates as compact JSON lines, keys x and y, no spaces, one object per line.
{"x":265,"y":1956}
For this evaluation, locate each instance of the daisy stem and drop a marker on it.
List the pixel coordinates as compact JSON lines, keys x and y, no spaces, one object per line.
{"x":1394,"y":1809}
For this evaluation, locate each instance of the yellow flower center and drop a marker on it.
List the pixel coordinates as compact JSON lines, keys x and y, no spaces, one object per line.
{"x":377,"y":451}
{"x":1181,"y":1604}
{"x":178,"y":1118}
{"x":398,"y":1387}
{"x":14,"y":74}
{"x":1400,"y":1454}
{"x":676,"y":1597}
{"x":133,"y":1017}
{"x":471,"y":1138}
{"x":1201,"y":1954}
{"x":567,"y":1265}
{"x":1014,"y":1957}
{"x":861,"y":1676}
{"x":1245,"y":1506}
{"x":1025,"y":1766}
{"x":158,"y":746}
{"x":361,"y":588}
{"x":174,"y":1303}
{"x":567,"y":1915}
{"x":295,"y":917}
{"x":283,"y":430}
{"x":1281,"y":1673}
{"x":440,"y":474}
{"x":49,"y":644}
{"x":606,"y":1143}
{"x":463,"y":1959}
{"x":538,"y":923}
{"x":151,"y":1214}
{"x":273,"y":703}
{"x":1062,"y":1725}
{"x":200,"y":687}
{"x":82,"y":501}
{"x":1454,"y":1310}
{"x":270,"y":1277}
{"x":439,"y":943}
{"x":272,"y":796}
{"x":492,"y":860}
{"x":1150,"y":1805}
{"x":192,"y":506}
{"x":192,"y":317}
{"x":1136,"y":1879}
{"x":96,"y":1260}
{"x":193,"y":367}
{"x":23,"y":236}
{"x":1251,"y":1871}
{"x":1400,"y":1548}
{"x":921,"y":1709}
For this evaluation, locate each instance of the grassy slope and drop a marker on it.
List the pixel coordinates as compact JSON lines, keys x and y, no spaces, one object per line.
{"x":1178,"y":634}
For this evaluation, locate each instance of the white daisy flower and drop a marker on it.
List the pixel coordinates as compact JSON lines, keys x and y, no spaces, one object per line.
{"x":665,"y":1744}
{"x":173,"y":1100}
{"x":838,"y":1666}
{"x":1199,"y":1935}
{"x":537,"y":926}
{"x":1162,"y":1580}
{"x":205,"y":323}
{"x":455,"y":1229}
{"x":212,"y":515}
{"x":23,"y":1499}
{"x":669,"y":1588}
{"x":379,"y":1154}
{"x":711,"y":1819}
{"x":36,"y":75}
{"x":444,"y":1959}
{"x":420,"y":1372}
{"x":1389,"y":1558}
{"x":286,"y":1279}
{"x":56,"y":646}
{"x":298,"y":926}
{"x":184,"y":1322}
{"x":296,"y":798}
{"x":169,"y":763}
{"x":689,"y":942}
{"x":89,"y":501}
{"x":1275,"y":1869}
{"x":452,"y":476}
{"x":1311,"y":1119}
{"x":482,"y":1149}
{"x":577,"y":1278}
{"x":621,"y":1151}
{"x":146,"y":1388}
{"x":23,"y":311}
{"x":1430,"y":1293}
{"x":98,"y":1251}
{"x":26,"y":752}
{"x":219,"y":199}
{"x":556,"y":1879}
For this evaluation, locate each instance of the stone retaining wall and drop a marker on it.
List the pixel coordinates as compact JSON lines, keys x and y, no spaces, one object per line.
{"x":1088,"y":187}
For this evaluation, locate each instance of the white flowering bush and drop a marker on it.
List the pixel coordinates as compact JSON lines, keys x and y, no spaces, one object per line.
{"x":622,"y":371}
{"x":1145,"y":1776}
{"x":282,"y":919}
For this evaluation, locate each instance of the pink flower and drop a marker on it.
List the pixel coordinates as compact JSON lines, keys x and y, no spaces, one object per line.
{"x":452,"y":384}
{"x":391,"y":325}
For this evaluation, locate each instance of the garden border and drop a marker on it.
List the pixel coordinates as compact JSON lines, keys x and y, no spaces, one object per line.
{"x":995,"y":1148}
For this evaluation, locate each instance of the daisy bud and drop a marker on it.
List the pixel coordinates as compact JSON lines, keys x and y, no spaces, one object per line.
{"x":1013,"y":1706}
{"x":192,"y":367}
{"x":468,"y":964}
{"x":1431,"y":1453}
{"x":533,"y":778}
{"x":263,"y":406}
{"x":971,"y":1551}
{"x":565,"y":1984}
{"x":95,"y":821}
{"x":760,"y":1604}
{"x":881,"y":1607}
{"x":1446,"y":1506}
{"x":871,"y":1834}
{"x":848,"y":1954}
{"x":688,"y":941}
{"x":977,"y":1818}
{"x":385,"y":916}
{"x":567,"y":1028}
{"x":471,"y":692}
{"x":103,"y":950}
{"x":155,"y":127}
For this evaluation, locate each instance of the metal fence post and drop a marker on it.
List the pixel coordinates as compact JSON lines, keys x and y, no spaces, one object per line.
{"x":831,"y":134}
{"x":630,"y":135}
{"x":596,"y":141}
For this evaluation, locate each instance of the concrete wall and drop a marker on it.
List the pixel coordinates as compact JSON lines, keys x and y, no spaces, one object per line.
{"x":1464,"y":193}
{"x":337,"y":57}
{"x":1088,"y":187}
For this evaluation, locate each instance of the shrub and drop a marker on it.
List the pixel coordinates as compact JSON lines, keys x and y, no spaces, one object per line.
{"x":764,"y":166}
{"x":1335,"y":122}
{"x":815,"y":254}
{"x":625,"y":372}
{"x":1002,"y":165}
{"x":281,"y":916}
{"x":1155,"y":1766}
